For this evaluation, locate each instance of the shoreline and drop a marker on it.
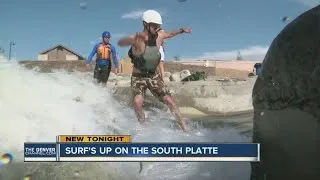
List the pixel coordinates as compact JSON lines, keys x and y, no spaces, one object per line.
{"x":199,"y":114}
{"x":199,"y":98}
{"x":218,"y":96}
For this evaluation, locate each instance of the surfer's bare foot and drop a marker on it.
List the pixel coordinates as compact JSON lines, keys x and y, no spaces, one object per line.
{"x":142,"y":121}
{"x":180,"y":119}
{"x":183,"y":127}
{"x":141,"y":116}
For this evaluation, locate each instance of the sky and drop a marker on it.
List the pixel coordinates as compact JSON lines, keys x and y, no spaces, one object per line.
{"x":220,"y":28}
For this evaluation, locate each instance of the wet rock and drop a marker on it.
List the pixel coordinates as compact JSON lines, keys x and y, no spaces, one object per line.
{"x":175,"y":77}
{"x":113,"y":77}
{"x":167,"y":74}
{"x":124,"y":82}
{"x":184,"y":73}
{"x":166,"y":80}
{"x":78,"y":99}
{"x":251,"y":74}
{"x":286,"y":100}
{"x":166,"y":77}
{"x":195,"y":77}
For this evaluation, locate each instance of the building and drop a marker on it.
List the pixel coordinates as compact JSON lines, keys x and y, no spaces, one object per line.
{"x":125,"y":65}
{"x":59,"y":53}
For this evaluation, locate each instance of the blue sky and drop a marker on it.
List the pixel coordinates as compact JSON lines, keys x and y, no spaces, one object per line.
{"x":220,"y":27}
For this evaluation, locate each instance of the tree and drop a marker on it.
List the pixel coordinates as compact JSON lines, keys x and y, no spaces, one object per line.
{"x":176,"y":58}
{"x":239,"y":56}
{"x":1,"y":53}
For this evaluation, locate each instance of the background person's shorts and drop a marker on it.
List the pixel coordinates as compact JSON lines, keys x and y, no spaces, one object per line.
{"x":155,"y":84}
{"x":102,"y":72}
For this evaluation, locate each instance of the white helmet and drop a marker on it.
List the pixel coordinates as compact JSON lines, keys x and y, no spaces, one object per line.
{"x":152,"y":16}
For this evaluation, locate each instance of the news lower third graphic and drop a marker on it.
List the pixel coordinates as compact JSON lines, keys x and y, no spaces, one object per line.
{"x":99,"y":139}
{"x":120,"y":148}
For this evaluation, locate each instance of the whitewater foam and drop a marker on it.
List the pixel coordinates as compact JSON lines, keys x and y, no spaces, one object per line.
{"x":37,"y":106}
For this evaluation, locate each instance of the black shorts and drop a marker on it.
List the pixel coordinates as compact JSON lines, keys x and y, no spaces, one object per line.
{"x":102,"y":72}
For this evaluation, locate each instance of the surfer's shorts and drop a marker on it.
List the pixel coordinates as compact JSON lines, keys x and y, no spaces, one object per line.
{"x":155,"y":84}
{"x":102,"y":72}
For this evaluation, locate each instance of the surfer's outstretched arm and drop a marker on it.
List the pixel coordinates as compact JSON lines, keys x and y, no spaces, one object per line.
{"x":173,"y":33}
{"x":126,"y":41}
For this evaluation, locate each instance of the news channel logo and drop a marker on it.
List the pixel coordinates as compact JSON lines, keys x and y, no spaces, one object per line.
{"x":6,"y":158}
{"x":39,"y":151}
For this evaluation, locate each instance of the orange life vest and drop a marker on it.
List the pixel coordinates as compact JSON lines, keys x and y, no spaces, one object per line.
{"x":104,"y":52}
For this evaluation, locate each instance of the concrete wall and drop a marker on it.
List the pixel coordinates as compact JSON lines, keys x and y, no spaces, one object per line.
{"x":125,"y":67}
{"x":233,"y":64}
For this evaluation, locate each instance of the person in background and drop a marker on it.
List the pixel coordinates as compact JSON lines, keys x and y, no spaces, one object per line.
{"x":104,"y":51}
{"x":257,"y":69}
{"x":145,"y":55}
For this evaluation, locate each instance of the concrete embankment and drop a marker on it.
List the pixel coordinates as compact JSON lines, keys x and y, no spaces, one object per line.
{"x":199,"y":98}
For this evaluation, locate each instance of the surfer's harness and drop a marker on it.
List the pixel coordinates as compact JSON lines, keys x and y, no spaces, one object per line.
{"x":148,"y":62}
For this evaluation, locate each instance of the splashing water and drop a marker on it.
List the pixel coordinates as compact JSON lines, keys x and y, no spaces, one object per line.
{"x":37,"y":107}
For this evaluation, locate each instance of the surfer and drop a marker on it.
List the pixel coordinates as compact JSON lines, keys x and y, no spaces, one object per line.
{"x":104,"y":52}
{"x":145,"y":56}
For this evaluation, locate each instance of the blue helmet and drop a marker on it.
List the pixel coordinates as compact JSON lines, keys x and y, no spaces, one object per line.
{"x":106,"y":34}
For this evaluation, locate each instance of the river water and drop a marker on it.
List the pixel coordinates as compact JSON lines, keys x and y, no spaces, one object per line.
{"x":36,"y":107}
